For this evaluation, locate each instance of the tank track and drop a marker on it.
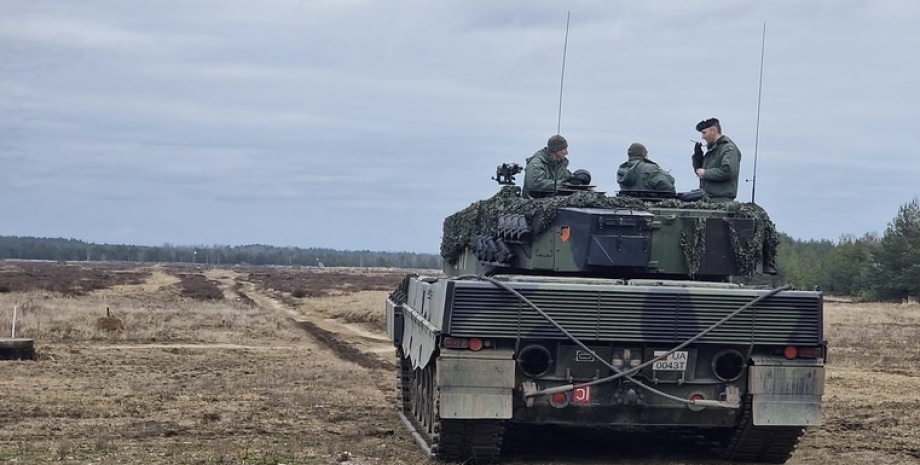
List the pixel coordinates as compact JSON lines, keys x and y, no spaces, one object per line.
{"x":766,"y":444}
{"x":466,"y":441}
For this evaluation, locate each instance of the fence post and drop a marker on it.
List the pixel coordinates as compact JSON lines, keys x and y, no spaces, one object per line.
{"x":13,"y":333}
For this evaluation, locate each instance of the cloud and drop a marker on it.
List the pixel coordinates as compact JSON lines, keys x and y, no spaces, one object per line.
{"x":206,"y":122}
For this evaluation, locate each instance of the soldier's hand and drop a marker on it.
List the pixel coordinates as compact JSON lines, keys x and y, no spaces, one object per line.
{"x":697,"y":155}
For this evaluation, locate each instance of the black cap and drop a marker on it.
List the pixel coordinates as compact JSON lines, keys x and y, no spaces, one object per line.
{"x":706,"y":123}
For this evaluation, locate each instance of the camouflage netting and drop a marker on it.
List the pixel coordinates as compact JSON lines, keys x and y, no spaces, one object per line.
{"x":462,"y":228}
{"x":748,"y":254}
{"x":694,"y":247}
{"x":479,"y":219}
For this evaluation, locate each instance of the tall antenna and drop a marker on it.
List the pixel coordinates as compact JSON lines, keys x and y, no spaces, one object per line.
{"x":763,"y":44}
{"x":565,"y":48}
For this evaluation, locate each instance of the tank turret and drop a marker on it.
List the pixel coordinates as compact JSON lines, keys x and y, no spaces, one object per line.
{"x":585,"y":233}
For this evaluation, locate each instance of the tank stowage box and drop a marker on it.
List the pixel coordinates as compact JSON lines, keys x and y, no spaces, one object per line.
{"x":591,"y":310}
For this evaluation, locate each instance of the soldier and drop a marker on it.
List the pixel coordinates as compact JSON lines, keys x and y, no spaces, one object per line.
{"x":638,"y":173}
{"x":547,"y":169}
{"x":718,"y":169}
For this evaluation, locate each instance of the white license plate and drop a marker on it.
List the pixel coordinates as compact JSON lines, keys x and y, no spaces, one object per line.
{"x":674,"y":362}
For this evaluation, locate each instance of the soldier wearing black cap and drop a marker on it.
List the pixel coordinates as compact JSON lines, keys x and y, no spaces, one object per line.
{"x":547,"y":169}
{"x":718,"y":168}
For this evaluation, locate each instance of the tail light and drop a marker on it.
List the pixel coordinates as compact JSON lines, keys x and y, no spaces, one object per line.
{"x":694,"y":407}
{"x":475,"y":344}
{"x":456,"y":343}
{"x":472,"y":343}
{"x":560,"y":400}
{"x":810,"y":352}
{"x":793,"y":352}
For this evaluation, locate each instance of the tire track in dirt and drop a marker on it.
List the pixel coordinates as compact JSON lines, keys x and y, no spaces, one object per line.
{"x":344,"y":350}
{"x":342,"y":339}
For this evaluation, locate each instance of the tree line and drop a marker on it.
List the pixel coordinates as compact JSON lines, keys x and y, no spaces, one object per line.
{"x":57,"y":249}
{"x":869,"y":267}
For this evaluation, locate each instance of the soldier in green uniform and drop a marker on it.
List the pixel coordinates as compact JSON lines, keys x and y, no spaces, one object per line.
{"x":547,"y":169}
{"x":638,"y":173}
{"x":718,"y":168}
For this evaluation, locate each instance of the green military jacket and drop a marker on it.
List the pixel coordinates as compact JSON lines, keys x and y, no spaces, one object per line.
{"x":642,"y":174}
{"x":722,"y":163}
{"x":543,"y":173}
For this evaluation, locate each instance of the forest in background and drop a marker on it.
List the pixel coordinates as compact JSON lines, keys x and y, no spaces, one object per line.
{"x":870,"y":267}
{"x":32,"y":248}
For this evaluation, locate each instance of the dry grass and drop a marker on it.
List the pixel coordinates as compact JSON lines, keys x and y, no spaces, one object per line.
{"x":314,"y":282}
{"x":268,"y":394}
{"x":150,"y":312}
{"x":874,"y":336}
{"x":366,"y":307}
{"x":229,"y":382}
{"x":188,"y":405}
{"x":872,"y":405}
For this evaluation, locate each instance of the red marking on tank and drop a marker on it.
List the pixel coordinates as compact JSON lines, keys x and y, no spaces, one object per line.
{"x":582,"y":395}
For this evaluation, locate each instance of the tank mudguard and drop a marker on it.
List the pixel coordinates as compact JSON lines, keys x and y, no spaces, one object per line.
{"x":476,"y":385}
{"x":786,"y":395}
{"x":420,"y":337}
{"x":395,"y":322}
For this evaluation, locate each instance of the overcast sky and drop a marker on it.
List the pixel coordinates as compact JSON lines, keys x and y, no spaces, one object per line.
{"x":362,"y":124}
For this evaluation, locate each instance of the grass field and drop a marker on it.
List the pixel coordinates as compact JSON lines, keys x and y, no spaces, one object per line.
{"x":256,"y":375}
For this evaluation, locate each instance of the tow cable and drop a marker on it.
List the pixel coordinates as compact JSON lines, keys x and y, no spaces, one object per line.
{"x":733,"y":402}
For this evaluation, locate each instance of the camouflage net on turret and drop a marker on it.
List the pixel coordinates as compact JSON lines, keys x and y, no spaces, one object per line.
{"x":748,"y":254}
{"x":479,"y":219}
{"x":694,"y":246}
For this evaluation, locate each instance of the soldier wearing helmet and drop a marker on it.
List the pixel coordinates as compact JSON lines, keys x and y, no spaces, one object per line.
{"x":547,"y":169}
{"x":718,"y":168}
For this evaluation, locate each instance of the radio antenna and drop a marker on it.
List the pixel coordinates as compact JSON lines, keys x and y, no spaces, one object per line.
{"x":565,"y":48}
{"x":763,"y":43}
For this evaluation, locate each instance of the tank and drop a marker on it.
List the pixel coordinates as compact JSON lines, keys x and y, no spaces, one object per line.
{"x":620,"y":311}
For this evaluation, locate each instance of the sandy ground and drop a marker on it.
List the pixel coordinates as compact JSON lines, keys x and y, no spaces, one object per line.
{"x":274,"y":380}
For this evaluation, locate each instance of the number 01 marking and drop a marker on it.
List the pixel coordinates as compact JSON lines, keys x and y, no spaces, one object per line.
{"x":582,"y":395}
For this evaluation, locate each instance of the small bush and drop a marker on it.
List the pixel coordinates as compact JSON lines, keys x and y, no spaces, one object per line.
{"x":197,"y":287}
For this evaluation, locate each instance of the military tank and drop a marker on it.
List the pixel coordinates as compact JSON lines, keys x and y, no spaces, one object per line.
{"x":621,"y":311}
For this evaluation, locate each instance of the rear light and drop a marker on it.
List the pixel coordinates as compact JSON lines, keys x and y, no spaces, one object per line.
{"x":456,"y":342}
{"x":692,"y":406}
{"x":560,"y":400}
{"x":810,"y":352}
{"x":475,"y":344}
{"x":793,"y":352}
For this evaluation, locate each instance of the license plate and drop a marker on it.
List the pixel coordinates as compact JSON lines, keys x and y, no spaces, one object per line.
{"x":674,"y":362}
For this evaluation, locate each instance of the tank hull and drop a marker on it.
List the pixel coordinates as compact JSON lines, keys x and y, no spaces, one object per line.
{"x":477,"y":354}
